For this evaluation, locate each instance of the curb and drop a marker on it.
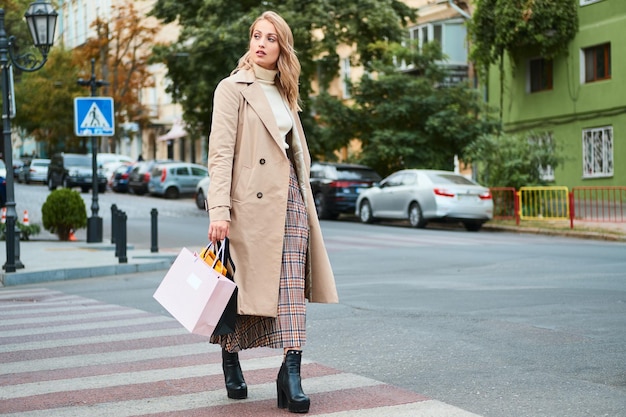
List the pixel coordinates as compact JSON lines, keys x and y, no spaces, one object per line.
{"x":63,"y":274}
{"x":550,"y":232}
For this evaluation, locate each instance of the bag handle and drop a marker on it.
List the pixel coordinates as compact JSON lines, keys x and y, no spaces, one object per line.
{"x":219,"y":252}
{"x":219,"y":258}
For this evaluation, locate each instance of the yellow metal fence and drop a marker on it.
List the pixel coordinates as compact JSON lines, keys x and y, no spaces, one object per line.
{"x":544,"y":203}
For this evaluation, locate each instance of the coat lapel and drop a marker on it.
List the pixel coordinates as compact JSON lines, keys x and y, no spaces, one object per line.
{"x":255,"y":96}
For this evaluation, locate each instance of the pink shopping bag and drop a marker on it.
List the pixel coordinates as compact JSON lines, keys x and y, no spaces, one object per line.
{"x":194,"y":293}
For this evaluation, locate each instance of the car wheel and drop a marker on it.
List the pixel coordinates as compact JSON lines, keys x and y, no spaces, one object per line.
{"x":323,"y":211}
{"x":416,"y":218}
{"x":83,"y":189}
{"x":473,"y":226}
{"x":171,"y":193}
{"x":51,"y":185}
{"x":365,"y":212}
{"x":200,"y":199}
{"x":102,"y":189}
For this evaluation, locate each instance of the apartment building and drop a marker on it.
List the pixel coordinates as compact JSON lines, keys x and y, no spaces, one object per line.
{"x":577,"y":97}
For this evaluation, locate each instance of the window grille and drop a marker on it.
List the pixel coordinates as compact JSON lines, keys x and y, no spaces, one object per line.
{"x":598,"y":152}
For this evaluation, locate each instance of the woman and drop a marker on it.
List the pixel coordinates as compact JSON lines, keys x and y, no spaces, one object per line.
{"x":260,"y":198}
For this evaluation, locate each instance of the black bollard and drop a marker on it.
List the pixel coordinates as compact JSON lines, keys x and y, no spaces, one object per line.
{"x":116,"y":231}
{"x":154,"y":231}
{"x":121,"y":238}
{"x":114,"y":211}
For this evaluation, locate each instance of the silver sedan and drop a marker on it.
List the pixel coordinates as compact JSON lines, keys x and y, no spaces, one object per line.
{"x":422,"y":195}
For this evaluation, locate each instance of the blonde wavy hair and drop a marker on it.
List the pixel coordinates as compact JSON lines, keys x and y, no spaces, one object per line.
{"x":288,"y":63}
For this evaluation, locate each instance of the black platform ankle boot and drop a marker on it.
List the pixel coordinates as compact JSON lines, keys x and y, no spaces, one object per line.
{"x":289,"y":386}
{"x":236,"y":387}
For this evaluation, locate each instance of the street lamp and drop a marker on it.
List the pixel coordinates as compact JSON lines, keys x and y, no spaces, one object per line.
{"x":41,"y":19}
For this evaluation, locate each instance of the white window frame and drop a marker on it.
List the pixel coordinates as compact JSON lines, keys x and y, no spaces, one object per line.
{"x":597,"y":152}
{"x":588,"y":2}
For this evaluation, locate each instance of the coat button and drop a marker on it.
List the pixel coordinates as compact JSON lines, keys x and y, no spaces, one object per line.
{"x":262,"y":161}
{"x":259,"y":195}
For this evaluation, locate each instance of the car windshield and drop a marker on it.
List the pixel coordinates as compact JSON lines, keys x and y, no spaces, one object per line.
{"x":350,"y":173}
{"x":444,"y":178}
{"x":77,"y":161}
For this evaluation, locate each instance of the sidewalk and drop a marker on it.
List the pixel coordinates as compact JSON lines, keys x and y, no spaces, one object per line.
{"x":53,"y":260}
{"x":610,"y":231}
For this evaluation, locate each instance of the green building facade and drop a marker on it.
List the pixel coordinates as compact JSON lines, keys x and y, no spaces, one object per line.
{"x":579,"y":98}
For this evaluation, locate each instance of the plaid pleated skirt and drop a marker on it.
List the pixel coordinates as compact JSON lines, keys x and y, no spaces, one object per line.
{"x":288,"y":329}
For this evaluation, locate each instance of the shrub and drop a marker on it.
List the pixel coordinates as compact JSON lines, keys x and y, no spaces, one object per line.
{"x":64,"y":211}
{"x":25,"y":230}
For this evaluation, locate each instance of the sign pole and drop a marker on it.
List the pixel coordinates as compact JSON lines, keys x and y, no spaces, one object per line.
{"x":94,"y":223}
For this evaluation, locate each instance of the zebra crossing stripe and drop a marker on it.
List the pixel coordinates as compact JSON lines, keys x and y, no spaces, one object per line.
{"x":84,"y":358}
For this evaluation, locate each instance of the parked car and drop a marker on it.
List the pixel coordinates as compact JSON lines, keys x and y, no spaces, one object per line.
{"x":119,"y":178}
{"x":176,"y":179}
{"x":421,"y":196}
{"x":105,"y":158}
{"x":35,"y":171}
{"x":336,"y":186}
{"x":73,"y":170}
{"x":202,"y":190}
{"x":18,"y":166}
{"x":140,"y":175}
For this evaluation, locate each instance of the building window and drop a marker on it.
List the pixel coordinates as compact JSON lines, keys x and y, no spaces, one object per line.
{"x":598,"y":152}
{"x":345,"y":78}
{"x":545,"y":141}
{"x":597,"y":63}
{"x":540,"y":72}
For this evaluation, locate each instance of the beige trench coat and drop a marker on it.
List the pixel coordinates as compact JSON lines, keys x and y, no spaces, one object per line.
{"x":249,"y":173}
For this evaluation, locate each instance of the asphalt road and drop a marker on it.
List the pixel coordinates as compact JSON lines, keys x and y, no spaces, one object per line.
{"x":495,"y":323}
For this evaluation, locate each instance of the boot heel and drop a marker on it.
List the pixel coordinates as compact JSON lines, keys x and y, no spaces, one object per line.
{"x":282,"y":398}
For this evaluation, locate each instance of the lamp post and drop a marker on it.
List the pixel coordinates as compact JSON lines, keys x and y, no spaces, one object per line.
{"x":41,"y":19}
{"x":94,"y":224}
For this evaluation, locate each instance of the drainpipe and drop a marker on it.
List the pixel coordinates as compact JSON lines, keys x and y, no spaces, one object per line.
{"x":458,"y":9}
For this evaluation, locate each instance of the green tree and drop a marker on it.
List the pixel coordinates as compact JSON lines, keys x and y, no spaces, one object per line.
{"x":15,"y":24}
{"x":500,"y":27}
{"x":44,"y":102}
{"x":122,"y":47}
{"x":215,"y":34}
{"x":409,"y":121}
{"x":513,"y":160}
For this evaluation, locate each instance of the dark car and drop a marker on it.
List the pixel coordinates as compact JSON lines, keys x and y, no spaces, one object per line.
{"x":119,"y":179}
{"x":73,"y":170}
{"x":139,"y":176}
{"x":336,"y":186}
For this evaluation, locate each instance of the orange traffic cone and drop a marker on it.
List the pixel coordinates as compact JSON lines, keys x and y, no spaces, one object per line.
{"x":72,"y":237}
{"x":26,"y":222}
{"x":4,"y":215}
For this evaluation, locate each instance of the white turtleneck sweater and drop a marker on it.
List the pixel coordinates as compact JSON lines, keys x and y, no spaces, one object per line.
{"x":279,"y":106}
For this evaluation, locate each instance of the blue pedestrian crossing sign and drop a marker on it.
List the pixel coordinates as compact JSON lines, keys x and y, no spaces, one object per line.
{"x":93,"y":116}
